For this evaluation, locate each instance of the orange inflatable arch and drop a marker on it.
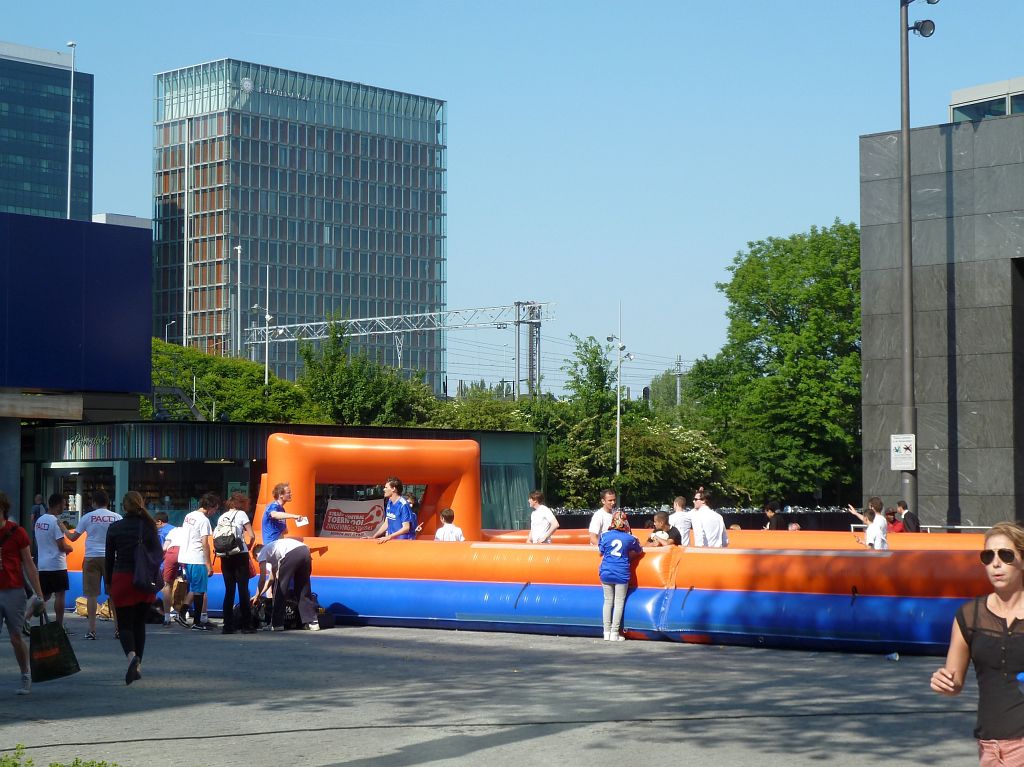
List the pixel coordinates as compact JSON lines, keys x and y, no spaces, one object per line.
{"x":450,"y":469}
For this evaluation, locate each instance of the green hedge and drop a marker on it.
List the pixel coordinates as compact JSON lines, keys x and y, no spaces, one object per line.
{"x":17,"y":759}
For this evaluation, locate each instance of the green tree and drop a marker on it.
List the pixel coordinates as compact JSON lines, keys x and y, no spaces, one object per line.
{"x":225,"y":387}
{"x":352,"y":389}
{"x":581,"y":430}
{"x":782,"y":398}
{"x":661,"y":460}
{"x":483,"y":409}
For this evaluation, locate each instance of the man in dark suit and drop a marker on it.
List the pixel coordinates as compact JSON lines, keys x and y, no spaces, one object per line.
{"x":911,"y":524}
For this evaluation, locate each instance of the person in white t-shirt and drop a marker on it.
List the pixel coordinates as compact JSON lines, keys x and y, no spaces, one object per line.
{"x":176,"y":537}
{"x":53,"y":555}
{"x":876,"y":536}
{"x":196,"y":555}
{"x":94,"y":526}
{"x":448,"y":530}
{"x":681,"y":519}
{"x":542,"y":520}
{"x":602,"y":519}
{"x":235,"y":566}
{"x":708,"y":524}
{"x":283,"y":562}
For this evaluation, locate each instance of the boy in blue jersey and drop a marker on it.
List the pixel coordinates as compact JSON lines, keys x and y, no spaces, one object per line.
{"x":618,"y":548}
{"x":398,"y":518}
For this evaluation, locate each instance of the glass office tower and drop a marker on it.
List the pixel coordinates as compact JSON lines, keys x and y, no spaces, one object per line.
{"x":35,"y":103}
{"x":334,"y":190}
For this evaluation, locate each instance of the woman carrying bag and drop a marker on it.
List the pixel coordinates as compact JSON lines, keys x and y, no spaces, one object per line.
{"x":137,"y":530}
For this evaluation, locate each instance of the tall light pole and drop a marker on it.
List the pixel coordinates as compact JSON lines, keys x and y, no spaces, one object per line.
{"x":71,"y":119}
{"x":266,"y":329}
{"x":924,"y":28}
{"x":166,"y":328}
{"x":620,"y":347}
{"x":238,"y":302}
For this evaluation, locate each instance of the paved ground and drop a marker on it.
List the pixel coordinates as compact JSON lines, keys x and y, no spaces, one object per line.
{"x":387,"y":696}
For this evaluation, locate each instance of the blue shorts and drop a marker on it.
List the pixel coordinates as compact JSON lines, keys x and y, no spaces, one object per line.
{"x":198,"y":577}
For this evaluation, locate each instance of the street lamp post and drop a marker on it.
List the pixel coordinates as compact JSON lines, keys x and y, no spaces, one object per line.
{"x":267,"y":317}
{"x":166,"y":328}
{"x":71,"y":119}
{"x":924,"y":28}
{"x":238,"y":302}
{"x":620,"y":347}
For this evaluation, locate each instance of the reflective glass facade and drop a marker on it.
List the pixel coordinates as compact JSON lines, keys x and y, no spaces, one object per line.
{"x":34,"y":108}
{"x":337,"y":187}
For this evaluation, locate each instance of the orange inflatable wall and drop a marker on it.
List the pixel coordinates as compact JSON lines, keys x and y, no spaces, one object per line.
{"x":449,"y":468}
{"x":784,"y":539}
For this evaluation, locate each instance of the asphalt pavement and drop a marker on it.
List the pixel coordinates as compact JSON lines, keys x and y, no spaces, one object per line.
{"x":394,"y":696}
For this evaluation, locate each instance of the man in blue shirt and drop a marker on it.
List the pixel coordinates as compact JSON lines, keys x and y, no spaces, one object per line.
{"x":398,"y":518}
{"x":274,"y":525}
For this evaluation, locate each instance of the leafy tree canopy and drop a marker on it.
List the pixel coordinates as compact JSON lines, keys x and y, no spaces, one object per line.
{"x":352,"y":389}
{"x":782,"y":398}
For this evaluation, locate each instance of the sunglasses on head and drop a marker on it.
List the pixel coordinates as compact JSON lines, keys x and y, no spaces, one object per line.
{"x":1007,"y":555}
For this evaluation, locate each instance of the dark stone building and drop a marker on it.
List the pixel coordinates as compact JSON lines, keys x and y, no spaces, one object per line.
{"x":968,"y":231}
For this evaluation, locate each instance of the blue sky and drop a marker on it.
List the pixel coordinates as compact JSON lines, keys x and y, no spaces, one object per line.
{"x":598,"y":151}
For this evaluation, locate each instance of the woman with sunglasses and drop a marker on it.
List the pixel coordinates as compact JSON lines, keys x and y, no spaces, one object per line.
{"x":986,"y":631}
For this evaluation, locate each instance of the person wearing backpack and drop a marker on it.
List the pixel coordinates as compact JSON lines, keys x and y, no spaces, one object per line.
{"x":132,"y":603}
{"x":231,"y":540}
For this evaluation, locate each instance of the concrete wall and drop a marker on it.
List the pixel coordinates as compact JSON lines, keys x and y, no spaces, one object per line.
{"x":968,"y":209}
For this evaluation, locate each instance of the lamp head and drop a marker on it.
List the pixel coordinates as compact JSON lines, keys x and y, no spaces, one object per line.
{"x":254,"y":308}
{"x":611,"y":338}
{"x":924,"y":28}
{"x":932,"y":2}
{"x":630,"y":356}
{"x":71,"y":44}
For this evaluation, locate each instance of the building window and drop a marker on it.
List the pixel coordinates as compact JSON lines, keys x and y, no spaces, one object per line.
{"x":981,"y":110}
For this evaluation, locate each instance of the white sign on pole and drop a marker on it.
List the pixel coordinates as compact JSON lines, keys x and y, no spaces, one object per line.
{"x":903,"y":452}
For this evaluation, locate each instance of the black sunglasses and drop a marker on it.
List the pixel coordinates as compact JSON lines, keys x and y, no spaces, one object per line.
{"x":1007,"y":555}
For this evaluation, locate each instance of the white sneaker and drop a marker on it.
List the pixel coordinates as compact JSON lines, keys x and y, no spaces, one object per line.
{"x":618,"y":638}
{"x":607,"y":636}
{"x":312,"y":627}
{"x":26,"y":685}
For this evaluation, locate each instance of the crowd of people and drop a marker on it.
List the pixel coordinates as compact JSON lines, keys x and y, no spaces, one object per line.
{"x":983,"y":631}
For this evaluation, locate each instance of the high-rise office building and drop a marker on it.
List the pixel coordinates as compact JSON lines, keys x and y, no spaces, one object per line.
{"x":35,"y":107}
{"x":334,"y":190}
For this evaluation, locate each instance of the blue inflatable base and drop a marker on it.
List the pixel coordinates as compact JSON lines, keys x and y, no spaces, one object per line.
{"x":871,"y":624}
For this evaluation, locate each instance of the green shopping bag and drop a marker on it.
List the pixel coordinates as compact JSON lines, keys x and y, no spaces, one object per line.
{"x":50,"y":653}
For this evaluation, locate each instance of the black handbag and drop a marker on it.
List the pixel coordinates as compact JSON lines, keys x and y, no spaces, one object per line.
{"x":50,"y":653}
{"x":149,"y":566}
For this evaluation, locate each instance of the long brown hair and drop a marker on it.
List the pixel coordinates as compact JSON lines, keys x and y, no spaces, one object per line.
{"x":135,"y":506}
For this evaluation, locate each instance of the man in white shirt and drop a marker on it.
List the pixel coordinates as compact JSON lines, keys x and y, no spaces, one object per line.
{"x":876,"y":536}
{"x":285,"y":561}
{"x":708,"y":524}
{"x":53,"y":555}
{"x":681,"y":519}
{"x":176,"y":537}
{"x":196,"y":555}
{"x":94,"y":525}
{"x":542,"y":520}
{"x":602,"y":518}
